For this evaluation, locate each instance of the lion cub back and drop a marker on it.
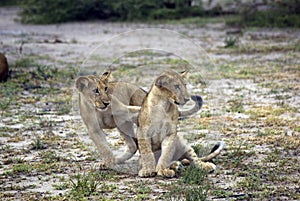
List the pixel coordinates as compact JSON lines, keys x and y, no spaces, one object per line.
{"x":127,"y":93}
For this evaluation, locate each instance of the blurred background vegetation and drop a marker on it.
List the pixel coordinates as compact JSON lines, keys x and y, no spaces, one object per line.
{"x":267,"y":13}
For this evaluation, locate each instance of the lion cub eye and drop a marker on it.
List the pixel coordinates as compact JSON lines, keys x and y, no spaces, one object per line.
{"x":106,"y":89}
{"x":177,"y":86}
{"x":96,"y":91}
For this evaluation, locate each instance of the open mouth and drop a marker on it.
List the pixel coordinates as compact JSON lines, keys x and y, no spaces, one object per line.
{"x":105,"y":105}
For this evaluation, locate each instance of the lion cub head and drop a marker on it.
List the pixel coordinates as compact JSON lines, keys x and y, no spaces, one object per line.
{"x":174,"y":86}
{"x":95,"y":89}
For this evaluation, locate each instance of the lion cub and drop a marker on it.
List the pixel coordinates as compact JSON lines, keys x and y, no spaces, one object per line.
{"x":158,"y":142}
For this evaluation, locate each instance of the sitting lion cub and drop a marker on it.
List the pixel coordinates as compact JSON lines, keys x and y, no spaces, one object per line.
{"x":157,"y":125}
{"x":106,"y":105}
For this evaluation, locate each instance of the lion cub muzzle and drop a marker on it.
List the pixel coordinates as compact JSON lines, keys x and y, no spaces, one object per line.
{"x":101,"y":105}
{"x":185,"y":100}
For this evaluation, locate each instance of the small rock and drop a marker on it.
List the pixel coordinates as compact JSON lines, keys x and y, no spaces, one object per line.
{"x":3,"y":67}
{"x":289,"y":133}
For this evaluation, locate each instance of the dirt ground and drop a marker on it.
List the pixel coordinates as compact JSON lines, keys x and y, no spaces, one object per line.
{"x":251,"y":102}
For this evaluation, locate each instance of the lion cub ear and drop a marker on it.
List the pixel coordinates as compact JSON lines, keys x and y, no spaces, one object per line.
{"x":105,"y":76}
{"x":81,"y":83}
{"x":93,"y":78}
{"x":161,"y":81}
{"x":184,"y":74}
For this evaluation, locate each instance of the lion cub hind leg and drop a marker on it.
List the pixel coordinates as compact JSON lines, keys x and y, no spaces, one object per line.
{"x":168,"y":148}
{"x":166,"y":172}
{"x":185,"y":162}
{"x":170,"y":171}
{"x":206,"y":166}
{"x":174,"y":168}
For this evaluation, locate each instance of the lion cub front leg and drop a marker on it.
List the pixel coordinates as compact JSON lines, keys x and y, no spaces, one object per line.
{"x":165,"y":166}
{"x":108,"y":159}
{"x":99,"y":139}
{"x":131,"y":146}
{"x":147,"y":159}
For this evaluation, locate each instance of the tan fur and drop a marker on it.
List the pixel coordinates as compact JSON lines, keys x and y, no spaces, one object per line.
{"x":158,"y":142}
{"x":108,"y":105}
{"x":3,"y":68}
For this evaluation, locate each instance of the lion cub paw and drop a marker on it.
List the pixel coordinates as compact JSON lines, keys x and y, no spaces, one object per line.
{"x":185,"y":162}
{"x":176,"y":166}
{"x":167,"y":172}
{"x":206,"y":166}
{"x":104,"y":165}
{"x":147,"y":172}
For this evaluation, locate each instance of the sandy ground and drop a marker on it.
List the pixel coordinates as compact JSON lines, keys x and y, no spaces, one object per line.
{"x":251,"y":96}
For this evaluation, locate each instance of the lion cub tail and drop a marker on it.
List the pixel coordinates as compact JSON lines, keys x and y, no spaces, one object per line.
{"x":198,"y":105}
{"x":216,"y":150}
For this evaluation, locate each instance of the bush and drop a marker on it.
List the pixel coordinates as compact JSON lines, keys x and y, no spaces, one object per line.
{"x":280,"y":14}
{"x":271,"y":19}
{"x":10,"y":2}
{"x":135,"y":9}
{"x":177,"y":13}
{"x":49,"y":11}
{"x":56,"y":11}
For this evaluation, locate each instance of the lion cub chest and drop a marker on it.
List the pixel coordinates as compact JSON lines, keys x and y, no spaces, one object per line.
{"x":106,"y":119}
{"x":162,"y":121}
